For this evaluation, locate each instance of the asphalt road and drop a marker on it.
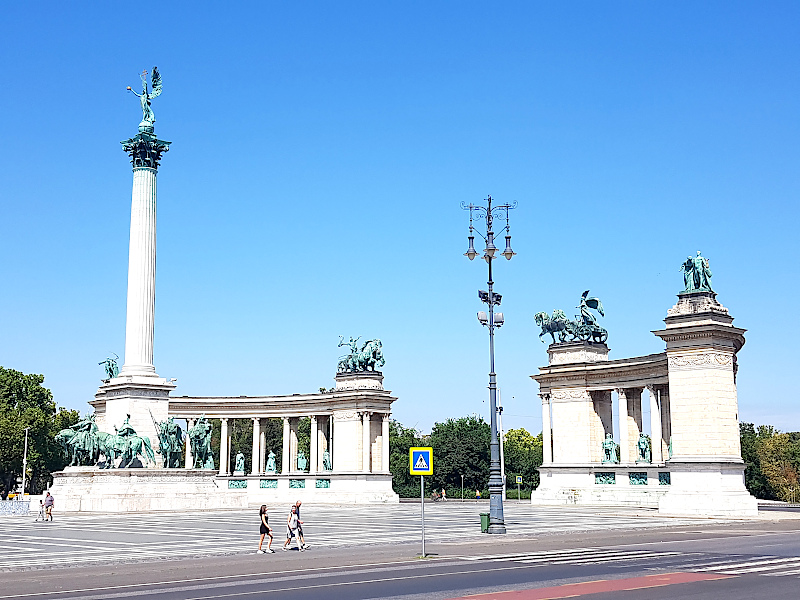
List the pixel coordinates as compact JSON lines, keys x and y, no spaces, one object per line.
{"x":731,"y":561}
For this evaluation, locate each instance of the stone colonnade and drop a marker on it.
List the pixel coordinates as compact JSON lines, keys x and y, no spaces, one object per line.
{"x":372,"y":454}
{"x":566,"y":412}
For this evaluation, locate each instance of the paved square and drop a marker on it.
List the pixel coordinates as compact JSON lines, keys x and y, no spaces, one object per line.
{"x":87,"y":539}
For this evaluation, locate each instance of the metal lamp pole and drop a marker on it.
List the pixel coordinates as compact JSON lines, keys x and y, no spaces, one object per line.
{"x":492,"y":321}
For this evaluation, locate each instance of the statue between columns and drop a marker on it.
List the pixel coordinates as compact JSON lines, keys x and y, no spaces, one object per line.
{"x":610,"y":450}
{"x":643,"y":446}
{"x":271,"y":463}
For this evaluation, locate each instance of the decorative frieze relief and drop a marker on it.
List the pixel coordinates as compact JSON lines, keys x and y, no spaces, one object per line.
{"x":702,"y":304}
{"x":570,"y":395}
{"x":706,"y":359}
{"x":347,"y":415}
{"x":140,"y":393}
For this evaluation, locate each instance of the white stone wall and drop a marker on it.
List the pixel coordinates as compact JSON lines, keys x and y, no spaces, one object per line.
{"x":703,"y":404}
{"x":573,"y":417}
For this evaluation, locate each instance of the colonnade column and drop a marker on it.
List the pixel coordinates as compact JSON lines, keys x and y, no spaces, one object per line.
{"x":255,"y":456}
{"x":285,"y":462}
{"x":189,"y":457}
{"x":223,"y":447}
{"x":314,"y":435}
{"x":655,"y":426}
{"x":365,"y":444}
{"x":547,"y":444}
{"x":385,"y":443}
{"x":262,"y":447}
{"x":622,"y":422}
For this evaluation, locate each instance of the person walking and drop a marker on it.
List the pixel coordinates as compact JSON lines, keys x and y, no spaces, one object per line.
{"x":265,"y":530}
{"x":444,"y":495}
{"x":291,"y":523}
{"x":49,"y":502}
{"x":302,"y":538}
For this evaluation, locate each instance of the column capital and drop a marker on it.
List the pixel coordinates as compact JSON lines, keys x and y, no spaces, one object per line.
{"x":386,"y":416}
{"x":145,"y":150}
{"x":545,"y":398}
{"x":224,"y":419}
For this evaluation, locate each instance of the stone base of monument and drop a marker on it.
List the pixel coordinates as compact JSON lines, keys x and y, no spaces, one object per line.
{"x":320,"y":488}
{"x":89,"y":489}
{"x":608,"y":485}
{"x":709,"y":489}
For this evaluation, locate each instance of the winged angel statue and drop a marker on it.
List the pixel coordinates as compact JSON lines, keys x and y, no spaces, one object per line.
{"x":148,"y":117}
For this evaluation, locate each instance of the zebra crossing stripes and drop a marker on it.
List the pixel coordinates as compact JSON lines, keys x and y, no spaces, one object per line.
{"x":579,"y":556}
{"x":767,"y":565}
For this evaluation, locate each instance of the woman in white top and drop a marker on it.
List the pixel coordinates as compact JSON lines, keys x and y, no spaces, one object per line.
{"x":291,"y":522}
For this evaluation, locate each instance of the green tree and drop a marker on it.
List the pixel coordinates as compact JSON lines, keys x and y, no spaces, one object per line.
{"x":400,"y":440}
{"x":25,"y":402}
{"x":778,"y":456}
{"x":754,"y":478}
{"x":461,"y":447}
{"x":523,"y":455}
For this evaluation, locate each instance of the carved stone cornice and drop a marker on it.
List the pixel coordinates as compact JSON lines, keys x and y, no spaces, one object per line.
{"x":723,"y":360}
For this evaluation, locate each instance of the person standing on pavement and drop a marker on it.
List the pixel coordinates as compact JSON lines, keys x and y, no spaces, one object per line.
{"x":291,"y":523}
{"x":302,"y":538}
{"x":49,"y":502}
{"x":265,"y":530}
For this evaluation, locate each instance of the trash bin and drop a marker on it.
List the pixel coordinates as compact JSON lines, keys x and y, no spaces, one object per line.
{"x":484,"y":522}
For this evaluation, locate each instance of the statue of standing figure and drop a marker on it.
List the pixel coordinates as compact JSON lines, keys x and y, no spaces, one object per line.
{"x":200,"y":440}
{"x":326,"y":461}
{"x":643,"y":445}
{"x":239,"y":464}
{"x":170,"y":437}
{"x":110,"y":365}
{"x":148,"y":117}
{"x":610,"y":450}
{"x":302,"y":461}
{"x":696,"y":274}
{"x":270,"y":462}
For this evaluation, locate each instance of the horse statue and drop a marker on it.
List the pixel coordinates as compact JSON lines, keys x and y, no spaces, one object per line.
{"x":371,"y":355}
{"x":200,"y":443}
{"x":78,"y":455}
{"x":558,"y":323}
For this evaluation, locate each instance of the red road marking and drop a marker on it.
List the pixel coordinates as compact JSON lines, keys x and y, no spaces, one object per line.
{"x":596,"y":587}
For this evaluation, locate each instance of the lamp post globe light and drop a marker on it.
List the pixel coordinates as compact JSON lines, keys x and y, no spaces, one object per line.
{"x":488,"y":213}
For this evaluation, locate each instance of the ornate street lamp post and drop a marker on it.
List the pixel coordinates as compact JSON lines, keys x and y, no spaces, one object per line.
{"x":492,"y":321}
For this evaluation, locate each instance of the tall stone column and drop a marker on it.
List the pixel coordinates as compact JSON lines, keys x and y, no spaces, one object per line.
{"x":622,"y":423}
{"x":285,"y":459}
{"x":262,"y":444}
{"x":385,"y":443}
{"x":312,"y":460}
{"x":255,"y":456}
{"x":634,"y":398}
{"x":189,"y":458}
{"x":138,"y":391}
{"x":655,"y":425}
{"x":223,"y":447}
{"x":547,"y":444}
{"x":365,"y":444}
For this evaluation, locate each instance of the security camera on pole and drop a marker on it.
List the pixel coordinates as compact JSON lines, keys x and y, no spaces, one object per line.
{"x":492,"y":321}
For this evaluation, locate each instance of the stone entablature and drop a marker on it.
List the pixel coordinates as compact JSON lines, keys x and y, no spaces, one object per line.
{"x":598,"y":375}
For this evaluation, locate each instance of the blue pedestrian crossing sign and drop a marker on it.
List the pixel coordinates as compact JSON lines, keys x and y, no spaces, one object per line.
{"x":420,"y":461}
{"x":519,"y":478}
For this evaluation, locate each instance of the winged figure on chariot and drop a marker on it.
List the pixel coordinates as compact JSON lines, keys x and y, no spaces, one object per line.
{"x":583,"y":328}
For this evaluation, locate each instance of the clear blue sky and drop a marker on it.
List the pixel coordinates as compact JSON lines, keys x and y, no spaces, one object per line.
{"x":320,"y":153}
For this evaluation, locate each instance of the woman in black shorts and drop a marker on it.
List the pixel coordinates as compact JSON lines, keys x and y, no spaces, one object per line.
{"x":265,"y":530}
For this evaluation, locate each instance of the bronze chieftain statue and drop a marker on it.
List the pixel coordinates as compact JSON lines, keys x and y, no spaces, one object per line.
{"x":200,"y":440}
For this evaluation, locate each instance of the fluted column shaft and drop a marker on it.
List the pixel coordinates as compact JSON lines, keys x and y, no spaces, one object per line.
{"x":655,"y":426}
{"x":139,"y":326}
{"x":365,"y":428}
{"x":385,"y":443}
{"x":189,"y":457}
{"x":547,"y":444}
{"x":622,"y":416}
{"x":312,"y":460}
{"x":255,"y":455}
{"x":223,"y":447}
{"x":285,"y":460}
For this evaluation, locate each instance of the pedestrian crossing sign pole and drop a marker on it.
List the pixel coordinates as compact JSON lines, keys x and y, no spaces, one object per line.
{"x":420,"y":462}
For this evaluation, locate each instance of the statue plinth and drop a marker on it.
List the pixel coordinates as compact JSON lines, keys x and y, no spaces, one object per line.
{"x":577,"y":352}
{"x":359,"y":380}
